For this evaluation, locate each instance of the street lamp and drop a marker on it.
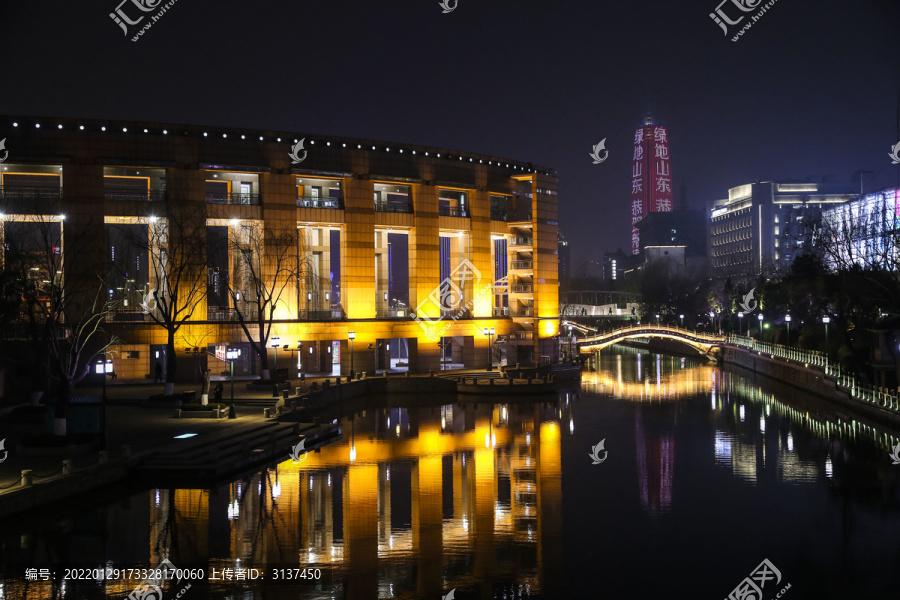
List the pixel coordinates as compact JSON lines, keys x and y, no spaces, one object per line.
{"x":103,"y":368}
{"x":489,"y":331}
{"x":682,"y":320}
{"x":826,"y":320}
{"x":351,"y":336}
{"x":231,"y":355}
{"x":787,"y":319}
{"x":759,"y":317}
{"x":300,"y":357}
{"x":275,"y":342}
{"x":741,"y":324}
{"x":657,"y":320}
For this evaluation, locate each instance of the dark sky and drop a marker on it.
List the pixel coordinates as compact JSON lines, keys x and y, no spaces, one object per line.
{"x":809,"y":91}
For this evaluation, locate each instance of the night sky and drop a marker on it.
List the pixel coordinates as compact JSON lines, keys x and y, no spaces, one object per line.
{"x":811,"y":90}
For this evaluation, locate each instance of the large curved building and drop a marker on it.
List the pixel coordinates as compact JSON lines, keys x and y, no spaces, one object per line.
{"x":414,"y":252}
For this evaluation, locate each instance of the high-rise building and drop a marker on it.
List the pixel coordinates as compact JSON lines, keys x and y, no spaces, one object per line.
{"x":564,"y":258}
{"x":651,"y":176}
{"x":761,"y":227}
{"x":863,"y":232}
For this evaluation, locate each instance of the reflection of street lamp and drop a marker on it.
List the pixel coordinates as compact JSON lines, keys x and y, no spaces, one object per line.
{"x":787,"y":319}
{"x":351,"y":336}
{"x":231,"y":355}
{"x":103,"y":368}
{"x":275,"y":342}
{"x":826,"y":320}
{"x":759,"y":318}
{"x":741,"y":324}
{"x":489,"y":331}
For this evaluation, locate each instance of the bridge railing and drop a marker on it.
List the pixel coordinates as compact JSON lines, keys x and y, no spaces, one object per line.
{"x":650,"y":329}
{"x":877,"y":396}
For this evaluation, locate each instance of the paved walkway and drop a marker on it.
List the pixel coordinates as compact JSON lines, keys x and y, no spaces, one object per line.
{"x":144,"y":428}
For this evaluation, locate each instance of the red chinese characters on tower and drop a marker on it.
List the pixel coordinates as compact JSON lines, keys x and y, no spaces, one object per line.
{"x":651,"y":177}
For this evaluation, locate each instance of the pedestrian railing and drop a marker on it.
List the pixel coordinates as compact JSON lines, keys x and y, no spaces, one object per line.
{"x":877,"y":396}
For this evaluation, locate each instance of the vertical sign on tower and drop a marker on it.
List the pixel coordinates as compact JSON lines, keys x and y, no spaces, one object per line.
{"x":651,"y":176}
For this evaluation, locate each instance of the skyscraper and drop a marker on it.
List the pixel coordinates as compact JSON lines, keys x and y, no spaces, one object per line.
{"x":651,"y":176}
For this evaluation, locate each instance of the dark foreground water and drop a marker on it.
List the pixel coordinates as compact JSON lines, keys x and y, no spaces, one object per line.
{"x":709,"y":485}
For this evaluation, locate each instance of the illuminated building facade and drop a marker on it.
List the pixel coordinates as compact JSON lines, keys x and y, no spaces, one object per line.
{"x":863,"y":231}
{"x":415,"y":249}
{"x":651,"y":176}
{"x":761,"y":227}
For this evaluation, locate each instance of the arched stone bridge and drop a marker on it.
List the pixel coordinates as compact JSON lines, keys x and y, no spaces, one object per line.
{"x":706,"y":344}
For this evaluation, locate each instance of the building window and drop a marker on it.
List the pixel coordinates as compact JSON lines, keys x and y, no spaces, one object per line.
{"x":393,"y":198}
{"x":452,"y":203}
{"x":319,"y":193}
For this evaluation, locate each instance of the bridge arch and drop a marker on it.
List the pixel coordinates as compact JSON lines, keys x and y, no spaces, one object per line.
{"x":705,"y":344}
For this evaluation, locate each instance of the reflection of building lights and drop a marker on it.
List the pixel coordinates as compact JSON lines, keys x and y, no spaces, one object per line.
{"x":571,"y":425}
{"x":790,"y":443}
{"x":527,"y":461}
{"x":157,"y":497}
{"x":397,"y":430}
{"x":527,"y":439}
{"x":234,"y":511}
{"x":493,"y":440}
{"x":465,"y":524}
{"x":762,"y":424}
{"x":329,"y":479}
{"x":352,"y":453}
{"x":387,"y":474}
{"x":276,"y":490}
{"x":828,"y":467}
{"x":741,"y":412}
{"x":487,"y":440}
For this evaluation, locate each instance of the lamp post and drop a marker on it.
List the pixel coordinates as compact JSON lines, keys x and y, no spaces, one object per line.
{"x":759,"y":318}
{"x":489,"y":331}
{"x":682,"y":320}
{"x":657,"y":320}
{"x":712,"y":320}
{"x":308,"y":300}
{"x":231,"y":355}
{"x":826,"y":320}
{"x":103,"y":368}
{"x":787,"y":319}
{"x":741,"y":324}
{"x":275,"y":342}
{"x":351,"y":336}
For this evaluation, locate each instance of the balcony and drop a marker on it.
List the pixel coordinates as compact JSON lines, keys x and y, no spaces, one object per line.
{"x":220,"y":313}
{"x":521,"y":265}
{"x":501,"y":311}
{"x":393,"y":207}
{"x":319,"y":202}
{"x":15,"y":192}
{"x":393,"y":313}
{"x":232,"y":198}
{"x":449,"y":211}
{"x":523,"y":312}
{"x":499,"y":214}
{"x":521,"y":241}
{"x":334,"y":314}
{"x":133,"y":195}
{"x":522,"y":289}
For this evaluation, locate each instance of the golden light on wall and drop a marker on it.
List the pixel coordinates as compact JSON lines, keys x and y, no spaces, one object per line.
{"x":549,"y":327}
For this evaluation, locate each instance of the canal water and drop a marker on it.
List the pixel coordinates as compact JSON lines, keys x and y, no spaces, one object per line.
{"x":708,"y":483}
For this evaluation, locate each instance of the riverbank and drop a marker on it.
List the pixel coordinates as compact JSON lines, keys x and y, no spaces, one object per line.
{"x":809,"y":378}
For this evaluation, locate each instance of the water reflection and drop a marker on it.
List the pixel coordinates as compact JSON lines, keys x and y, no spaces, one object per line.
{"x":426,"y":495}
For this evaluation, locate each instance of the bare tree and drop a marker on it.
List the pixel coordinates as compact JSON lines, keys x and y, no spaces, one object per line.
{"x":176,"y":250}
{"x":266,"y":265}
{"x":62,"y":307}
